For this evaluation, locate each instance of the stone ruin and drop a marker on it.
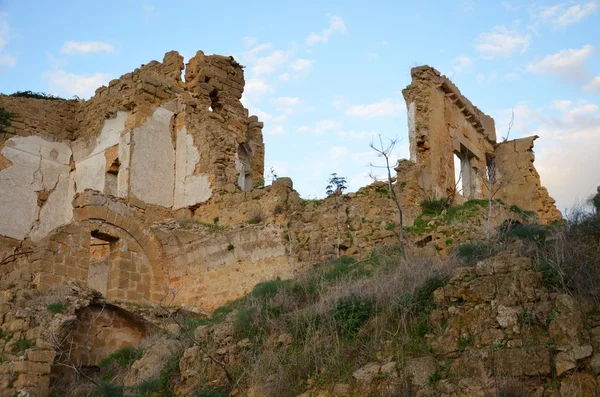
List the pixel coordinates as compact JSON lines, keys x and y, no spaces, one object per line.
{"x":154,"y":186}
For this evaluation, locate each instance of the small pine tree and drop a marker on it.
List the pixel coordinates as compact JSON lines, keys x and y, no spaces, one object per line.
{"x":336,"y":186}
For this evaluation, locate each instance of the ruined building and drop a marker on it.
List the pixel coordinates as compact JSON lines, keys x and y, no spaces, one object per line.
{"x":153,"y":188}
{"x":91,"y":185}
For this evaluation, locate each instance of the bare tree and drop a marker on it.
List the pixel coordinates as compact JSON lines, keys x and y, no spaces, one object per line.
{"x":336,"y":186}
{"x":385,"y":152}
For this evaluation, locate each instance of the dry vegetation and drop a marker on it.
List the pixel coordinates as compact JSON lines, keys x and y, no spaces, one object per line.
{"x":320,"y":327}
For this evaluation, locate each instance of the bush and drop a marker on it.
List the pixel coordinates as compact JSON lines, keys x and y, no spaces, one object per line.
{"x":421,"y":300}
{"x":36,"y":95}
{"x":5,"y":117}
{"x":471,"y":253}
{"x":436,"y":205}
{"x":57,"y":308}
{"x":211,"y":392}
{"x":108,"y":390}
{"x":255,"y":218}
{"x":533,"y":232}
{"x":21,"y":345}
{"x":114,"y":363}
{"x":352,"y":312}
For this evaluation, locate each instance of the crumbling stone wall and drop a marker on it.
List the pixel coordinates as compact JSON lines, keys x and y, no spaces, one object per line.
{"x":148,"y":135}
{"x":442,"y":124}
{"x":515,"y":164}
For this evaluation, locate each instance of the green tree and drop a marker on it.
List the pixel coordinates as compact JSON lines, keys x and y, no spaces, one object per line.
{"x":335,"y":187}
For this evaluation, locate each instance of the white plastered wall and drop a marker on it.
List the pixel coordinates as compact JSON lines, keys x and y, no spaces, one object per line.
{"x":190,"y":189}
{"x":37,"y":165}
{"x":152,"y":172}
{"x":90,"y":162}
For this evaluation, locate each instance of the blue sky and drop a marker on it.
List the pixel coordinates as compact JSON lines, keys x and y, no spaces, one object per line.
{"x":326,"y":76}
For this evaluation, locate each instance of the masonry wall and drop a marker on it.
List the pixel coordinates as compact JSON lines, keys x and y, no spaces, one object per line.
{"x":147,"y":136}
{"x":443,"y":124}
{"x":520,"y":180}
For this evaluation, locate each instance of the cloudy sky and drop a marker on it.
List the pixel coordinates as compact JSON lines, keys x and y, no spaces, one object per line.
{"x":326,"y":76}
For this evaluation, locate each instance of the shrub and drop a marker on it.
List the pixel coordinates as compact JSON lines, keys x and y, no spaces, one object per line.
{"x":436,"y":205}
{"x":421,"y":300}
{"x":105,"y":389}
{"x":5,"y":117}
{"x":533,"y":232}
{"x":268,"y":289}
{"x":36,"y":95}
{"x":211,"y":392}
{"x":352,"y":312}
{"x":278,"y":209}
{"x":57,"y":308}
{"x":255,"y":218}
{"x":21,"y":345}
{"x":471,"y":253}
{"x":230,"y":247}
{"x":114,"y":363}
{"x":149,"y":388}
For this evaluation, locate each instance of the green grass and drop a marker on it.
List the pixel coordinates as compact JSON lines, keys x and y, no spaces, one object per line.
{"x":21,"y":345}
{"x":57,"y":308}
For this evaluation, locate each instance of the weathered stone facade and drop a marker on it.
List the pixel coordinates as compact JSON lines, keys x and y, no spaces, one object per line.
{"x":455,"y":149}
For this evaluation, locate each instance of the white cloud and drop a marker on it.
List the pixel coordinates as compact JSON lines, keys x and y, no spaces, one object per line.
{"x":327,"y":125}
{"x":302,"y":65}
{"x":257,"y":87}
{"x":274,"y":130}
{"x":60,"y":82}
{"x":268,"y":64}
{"x":249,"y":41}
{"x":569,"y":63}
{"x":560,"y":15}
{"x":338,"y":152}
{"x":284,"y":77}
{"x":385,"y":108}
{"x":286,"y":101}
{"x":303,"y":128}
{"x":562,"y":104}
{"x":501,"y":41}
{"x":462,"y":63}
{"x":566,"y":153}
{"x":336,"y":25}
{"x":85,"y":47}
{"x":594,"y":85}
{"x":6,"y":58}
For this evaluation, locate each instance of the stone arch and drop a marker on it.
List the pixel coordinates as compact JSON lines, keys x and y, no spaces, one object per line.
{"x":65,"y":253}
{"x":139,"y":231}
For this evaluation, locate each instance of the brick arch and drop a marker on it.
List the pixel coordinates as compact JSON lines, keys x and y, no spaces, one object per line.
{"x":139,"y":231}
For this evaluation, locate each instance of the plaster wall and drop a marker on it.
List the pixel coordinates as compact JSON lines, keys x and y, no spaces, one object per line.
{"x":152,"y":173}
{"x":190,"y":187}
{"x":36,"y":187}
{"x":90,"y":162}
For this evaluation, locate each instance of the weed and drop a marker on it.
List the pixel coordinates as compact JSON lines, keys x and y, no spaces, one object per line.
{"x":255,"y":218}
{"x":112,"y":364}
{"x":436,"y":205}
{"x":57,"y":308}
{"x":230,"y":247}
{"x":21,"y":345}
{"x":525,"y":317}
{"x":471,"y":253}
{"x":352,"y":312}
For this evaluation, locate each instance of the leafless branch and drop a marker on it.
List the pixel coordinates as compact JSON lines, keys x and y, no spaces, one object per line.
{"x":385,"y":152}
